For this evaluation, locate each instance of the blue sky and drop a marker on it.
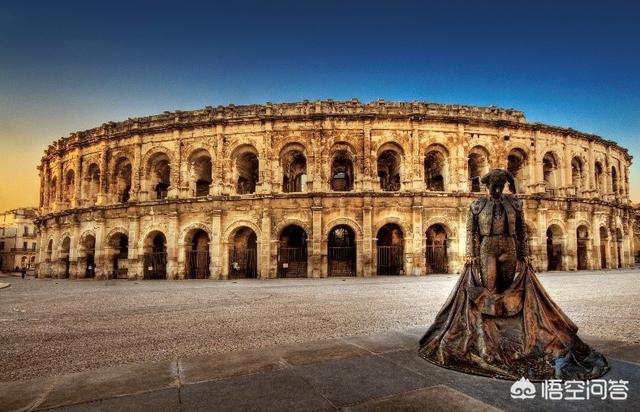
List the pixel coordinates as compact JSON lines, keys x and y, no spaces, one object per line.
{"x":68,"y":66}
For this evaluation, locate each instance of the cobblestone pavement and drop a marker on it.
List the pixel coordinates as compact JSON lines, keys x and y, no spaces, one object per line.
{"x":51,"y":327}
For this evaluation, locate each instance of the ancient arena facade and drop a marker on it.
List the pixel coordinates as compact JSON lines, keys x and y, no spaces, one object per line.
{"x":316,"y":189}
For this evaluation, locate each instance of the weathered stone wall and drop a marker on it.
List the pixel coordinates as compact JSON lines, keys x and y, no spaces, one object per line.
{"x":217,"y":171}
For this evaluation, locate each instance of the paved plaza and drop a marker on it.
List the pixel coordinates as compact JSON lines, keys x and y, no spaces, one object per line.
{"x":53,"y":327}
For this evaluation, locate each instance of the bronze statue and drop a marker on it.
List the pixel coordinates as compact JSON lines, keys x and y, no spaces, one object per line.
{"x":499,"y":321}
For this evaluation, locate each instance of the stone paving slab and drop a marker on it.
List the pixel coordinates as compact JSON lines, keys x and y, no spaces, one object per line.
{"x":282,"y":390}
{"x":351,"y":381}
{"x":438,"y":398}
{"x":356,"y":373}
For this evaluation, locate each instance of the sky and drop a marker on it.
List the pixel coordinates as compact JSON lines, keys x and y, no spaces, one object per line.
{"x":68,"y":66}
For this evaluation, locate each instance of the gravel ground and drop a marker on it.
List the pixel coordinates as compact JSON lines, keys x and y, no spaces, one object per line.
{"x":51,"y":327}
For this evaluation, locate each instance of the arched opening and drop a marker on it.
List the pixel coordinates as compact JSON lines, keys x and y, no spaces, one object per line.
{"x":155,"y":256}
{"x":53,"y":187}
{"x":64,"y":256}
{"x":619,"y":238}
{"x":390,"y":250}
{"x":292,"y":252}
{"x":614,"y":180}
{"x":435,"y":170}
{"x":599,"y":177}
{"x":294,"y":171}
{"x":516,"y":165}
{"x":437,"y":260}
{"x":604,"y":239}
{"x":243,"y":254}
{"x":478,"y":166}
{"x":389,"y":170}
{"x":342,"y":172}
{"x":159,"y":176}
{"x":246,"y":170}
{"x":554,"y":247}
{"x":69,"y":185}
{"x":86,"y":256}
{"x":341,"y":251}
{"x":200,"y":169}
{"x":122,"y":179}
{"x":92,"y":184}
{"x":198,"y":259}
{"x":582,"y":236}
{"x":119,"y":245}
{"x":550,"y":172}
{"x":577,"y":174}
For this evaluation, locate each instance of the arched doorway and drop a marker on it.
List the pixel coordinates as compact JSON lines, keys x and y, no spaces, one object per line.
{"x":87,"y":256}
{"x":604,"y":239}
{"x":342,"y":172}
{"x":517,"y":166}
{"x":554,"y":248}
{"x":389,"y":170}
{"x":582,"y":235}
{"x":119,"y":244}
{"x":477,"y":166}
{"x":292,"y":252}
{"x":198,"y":259}
{"x":243,"y":254}
{"x":341,"y":251}
{"x":246,"y":169}
{"x":437,"y":259}
{"x":200,"y":176}
{"x":294,"y":171}
{"x":64,"y":256}
{"x":155,"y":256}
{"x":390,"y":250}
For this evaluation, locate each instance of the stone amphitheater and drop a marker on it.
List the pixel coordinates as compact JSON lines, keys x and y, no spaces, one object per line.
{"x":322,"y":188}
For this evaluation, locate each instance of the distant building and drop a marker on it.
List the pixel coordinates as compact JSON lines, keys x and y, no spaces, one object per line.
{"x":18,"y":239}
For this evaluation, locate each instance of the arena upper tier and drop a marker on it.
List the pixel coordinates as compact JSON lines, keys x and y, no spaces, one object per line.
{"x":319,"y":189}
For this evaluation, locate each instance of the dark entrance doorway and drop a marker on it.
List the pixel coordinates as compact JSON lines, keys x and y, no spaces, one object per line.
{"x":436,"y":253}
{"x":120,"y":245}
{"x":155,"y":257}
{"x":64,"y":256}
{"x":292,"y":253}
{"x":342,"y":251}
{"x":198,"y":256}
{"x":243,"y":254}
{"x":554,"y":248}
{"x":88,"y":250}
{"x":390,"y":250}
{"x":582,"y":235}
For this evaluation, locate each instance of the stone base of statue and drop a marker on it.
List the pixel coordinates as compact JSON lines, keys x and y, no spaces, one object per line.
{"x":518,"y":333}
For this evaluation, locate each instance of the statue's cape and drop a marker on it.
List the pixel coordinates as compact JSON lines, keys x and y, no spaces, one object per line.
{"x":518,"y":333}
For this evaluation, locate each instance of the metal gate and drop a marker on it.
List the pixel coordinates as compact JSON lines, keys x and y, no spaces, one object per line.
{"x":155,"y":265}
{"x":603,"y":256}
{"x":437,"y":261}
{"x":198,"y":264}
{"x":90,"y":268}
{"x":390,"y":260}
{"x":243,"y":263}
{"x":292,"y":262}
{"x":342,"y":260}
{"x":582,"y":254}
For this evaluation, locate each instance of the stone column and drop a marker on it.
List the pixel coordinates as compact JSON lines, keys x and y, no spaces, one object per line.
{"x":418,"y":250}
{"x":101,"y":265}
{"x":215,"y":268}
{"x":367,"y":170}
{"x":318,"y":256}
{"x":172,"y":244}
{"x":367,"y":238}
{"x":134,"y":260}
{"x":136,"y":173}
{"x":459,"y":162}
{"x":572,"y":245}
{"x":104,"y":166}
{"x":265,"y":249}
{"x":59,"y":184}
{"x":75,"y":201}
{"x":75,"y":271}
{"x":46,"y":177}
